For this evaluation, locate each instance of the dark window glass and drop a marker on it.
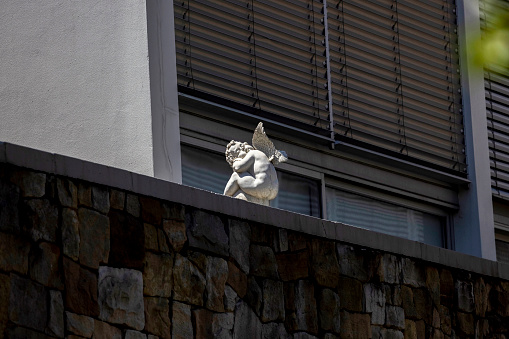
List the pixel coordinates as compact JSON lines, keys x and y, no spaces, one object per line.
{"x":297,"y":194}
{"x":375,"y":215}
{"x":502,"y":251}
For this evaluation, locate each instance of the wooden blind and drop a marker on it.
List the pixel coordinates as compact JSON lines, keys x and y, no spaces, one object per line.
{"x":496,"y":83}
{"x":381,"y":74}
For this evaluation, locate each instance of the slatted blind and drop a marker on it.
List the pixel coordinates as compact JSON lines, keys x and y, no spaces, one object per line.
{"x":496,"y":83}
{"x":381,"y":74}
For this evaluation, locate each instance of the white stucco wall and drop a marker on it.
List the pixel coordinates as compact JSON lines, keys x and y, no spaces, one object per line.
{"x":74,"y":80}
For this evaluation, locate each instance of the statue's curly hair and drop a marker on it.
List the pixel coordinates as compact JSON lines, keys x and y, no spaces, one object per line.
{"x":230,"y":157}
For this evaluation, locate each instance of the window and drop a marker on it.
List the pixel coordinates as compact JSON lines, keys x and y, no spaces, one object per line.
{"x":360,"y":91}
{"x":379,"y":216}
{"x":502,"y":248}
{"x":380,"y":75}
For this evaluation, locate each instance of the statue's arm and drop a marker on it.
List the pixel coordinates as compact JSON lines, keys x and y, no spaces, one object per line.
{"x":243,"y":165}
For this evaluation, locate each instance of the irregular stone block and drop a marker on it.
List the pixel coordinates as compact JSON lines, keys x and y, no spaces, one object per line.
{"x":273,"y":308}
{"x":9,"y":215}
{"x":481,"y":295}
{"x":482,"y":327}
{"x":324,"y":264}
{"x":420,"y":329}
{"x":393,"y":294}
{"x":263,"y":262}
{"x":130,"y":334}
{"x":55,"y":325}
{"x":206,"y":231}
{"x":158,"y":275}
{"x":353,"y":264}
{"x":499,"y":298}
{"x":151,"y":210}
{"x":40,"y":220}
{"x":445,"y":320}
{"x":85,"y":194}
{"x":436,"y":319}
{"x":302,"y":306}
{"x":188,"y":282}
{"x":117,"y":199}
{"x":394,"y":316}
{"x":157,"y":318}
{"x":296,"y":241}
{"x":465,"y":296}
{"x":94,"y":238}
{"x":222,"y":325}
{"x":216,"y":276}
{"x":199,"y":260}
{"x":133,"y":205}
{"x":174,"y":211}
{"x":230,"y":299}
{"x":13,"y":253}
{"x":22,"y":333}
{"x":292,"y":266}
{"x":67,"y":193}
{"x":374,"y":303}
{"x":120,"y":297}
{"x":203,"y":323}
{"x":465,"y":323}
{"x":104,"y":330}
{"x":407,"y":301}
{"x":25,"y":297}
{"x":423,"y":305}
{"x":247,"y":324}
{"x":81,"y":289}
{"x":182,"y":324}
{"x":70,"y":233}
{"x":151,"y":242}
{"x":127,"y":239}
{"x":176,"y":232}
{"x":413,"y":273}
{"x":237,"y":279}
{"x":5,"y":290}
{"x":254,"y":295}
{"x":410,"y":329}
{"x":263,"y":234}
{"x":100,"y":199}
{"x":328,"y":311}
{"x":163,"y":242}
{"x":387,"y":333}
{"x":240,"y":233}
{"x":389,"y":270}
{"x":44,"y":265}
{"x":213,"y":325}
{"x":355,"y":326}
{"x":31,"y":184}
{"x":275,"y":331}
{"x":433,"y":284}
{"x":283,"y":240}
{"x":79,"y":324}
{"x":350,"y":293}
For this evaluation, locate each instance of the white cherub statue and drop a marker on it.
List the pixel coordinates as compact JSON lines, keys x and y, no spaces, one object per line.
{"x":254,"y":177}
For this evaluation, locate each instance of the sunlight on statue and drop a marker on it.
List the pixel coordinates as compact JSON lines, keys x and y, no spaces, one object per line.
{"x":254,"y":177}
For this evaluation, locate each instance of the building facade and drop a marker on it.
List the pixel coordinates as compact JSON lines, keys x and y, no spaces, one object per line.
{"x":377,"y":104}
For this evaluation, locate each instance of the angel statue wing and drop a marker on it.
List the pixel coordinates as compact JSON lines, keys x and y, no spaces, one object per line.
{"x":262,"y":143}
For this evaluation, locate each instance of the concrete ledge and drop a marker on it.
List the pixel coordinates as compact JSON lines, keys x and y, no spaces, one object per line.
{"x":121,"y":179}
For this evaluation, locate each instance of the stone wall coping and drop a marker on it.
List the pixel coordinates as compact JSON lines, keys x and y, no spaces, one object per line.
{"x":121,"y":179}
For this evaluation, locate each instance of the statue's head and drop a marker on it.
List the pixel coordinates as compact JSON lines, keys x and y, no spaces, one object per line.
{"x":236,"y":150}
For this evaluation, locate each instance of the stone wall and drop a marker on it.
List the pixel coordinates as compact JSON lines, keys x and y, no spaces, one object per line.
{"x":83,"y":260}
